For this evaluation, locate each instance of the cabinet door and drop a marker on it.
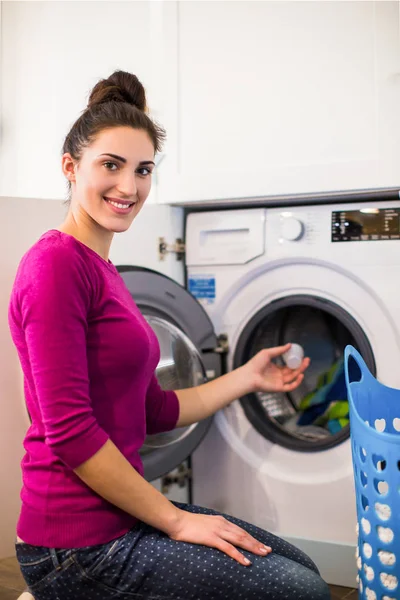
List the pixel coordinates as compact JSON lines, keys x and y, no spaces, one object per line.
{"x":53,"y":53}
{"x":287,"y":97}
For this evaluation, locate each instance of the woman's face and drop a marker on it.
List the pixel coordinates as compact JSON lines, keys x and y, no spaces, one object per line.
{"x":112,"y":180}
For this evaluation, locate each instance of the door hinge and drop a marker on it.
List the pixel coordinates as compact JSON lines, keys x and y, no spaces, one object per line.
{"x":177,"y":248}
{"x":223,"y":344}
{"x":178,"y":477}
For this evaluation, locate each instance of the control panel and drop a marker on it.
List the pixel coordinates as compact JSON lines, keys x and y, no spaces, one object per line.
{"x":366,"y":225}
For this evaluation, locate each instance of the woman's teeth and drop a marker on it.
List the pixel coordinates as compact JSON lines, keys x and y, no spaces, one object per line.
{"x":118,"y":205}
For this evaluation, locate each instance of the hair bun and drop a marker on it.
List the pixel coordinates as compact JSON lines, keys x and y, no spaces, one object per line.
{"x":119,"y":87}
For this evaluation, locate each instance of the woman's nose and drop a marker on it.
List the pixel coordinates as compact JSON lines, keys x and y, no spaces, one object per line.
{"x":128,"y":186}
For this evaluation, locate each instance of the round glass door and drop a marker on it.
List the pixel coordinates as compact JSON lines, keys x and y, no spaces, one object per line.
{"x":315,"y":416}
{"x":180,"y":366}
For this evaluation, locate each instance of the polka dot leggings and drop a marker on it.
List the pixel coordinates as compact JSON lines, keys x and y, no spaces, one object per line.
{"x":146,"y":563}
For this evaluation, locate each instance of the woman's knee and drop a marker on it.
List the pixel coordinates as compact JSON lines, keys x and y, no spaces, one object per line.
{"x":284,"y":578}
{"x":306,"y":584}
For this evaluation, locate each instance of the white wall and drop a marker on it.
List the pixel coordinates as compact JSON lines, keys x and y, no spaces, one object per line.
{"x":25,"y":221}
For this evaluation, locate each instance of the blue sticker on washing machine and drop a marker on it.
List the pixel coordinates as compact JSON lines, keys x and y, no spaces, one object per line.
{"x":203,"y":288}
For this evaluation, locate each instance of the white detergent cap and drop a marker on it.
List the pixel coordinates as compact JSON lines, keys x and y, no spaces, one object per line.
{"x":294,"y":356}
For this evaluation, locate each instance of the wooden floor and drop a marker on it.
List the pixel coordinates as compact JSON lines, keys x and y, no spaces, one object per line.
{"x":337,"y":592}
{"x":12,"y":584}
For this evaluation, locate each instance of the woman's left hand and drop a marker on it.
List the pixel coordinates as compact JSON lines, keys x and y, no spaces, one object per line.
{"x":266,"y":376}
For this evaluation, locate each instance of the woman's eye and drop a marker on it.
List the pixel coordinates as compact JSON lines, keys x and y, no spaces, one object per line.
{"x":110,"y":166}
{"x":144,"y":171}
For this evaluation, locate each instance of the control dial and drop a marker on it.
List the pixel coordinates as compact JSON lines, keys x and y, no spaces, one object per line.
{"x":292,"y":229}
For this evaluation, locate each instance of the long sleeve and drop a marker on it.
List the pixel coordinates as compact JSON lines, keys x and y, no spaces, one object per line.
{"x":54,"y":301}
{"x":162,"y":408}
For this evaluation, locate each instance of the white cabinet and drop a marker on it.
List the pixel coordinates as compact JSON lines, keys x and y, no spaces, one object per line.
{"x":287,"y":97}
{"x":53,"y":53}
{"x":258,"y":97}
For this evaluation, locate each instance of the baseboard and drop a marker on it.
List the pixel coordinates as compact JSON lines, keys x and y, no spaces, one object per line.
{"x":336,"y":562}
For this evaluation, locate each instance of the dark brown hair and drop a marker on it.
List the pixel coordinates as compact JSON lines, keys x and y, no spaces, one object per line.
{"x":118,"y":101}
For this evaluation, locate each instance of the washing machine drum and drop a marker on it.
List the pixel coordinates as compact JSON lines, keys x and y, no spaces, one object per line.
{"x":315,"y":416}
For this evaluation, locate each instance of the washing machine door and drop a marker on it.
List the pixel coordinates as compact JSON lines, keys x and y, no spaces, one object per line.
{"x":315,"y":416}
{"x":187,"y":358}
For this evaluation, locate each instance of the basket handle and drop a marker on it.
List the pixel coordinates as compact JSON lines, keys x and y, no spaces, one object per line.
{"x":350,"y":351}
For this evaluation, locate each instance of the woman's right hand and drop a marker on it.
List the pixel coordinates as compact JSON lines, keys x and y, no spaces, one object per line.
{"x":216,"y":532}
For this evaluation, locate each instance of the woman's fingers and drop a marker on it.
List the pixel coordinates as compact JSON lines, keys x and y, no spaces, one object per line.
{"x":231,"y":551}
{"x":291,"y":374}
{"x":229,"y":542}
{"x":305,"y":364}
{"x":288,"y":387}
{"x":217,"y":532}
{"x":278,"y":350}
{"x":240,"y":538}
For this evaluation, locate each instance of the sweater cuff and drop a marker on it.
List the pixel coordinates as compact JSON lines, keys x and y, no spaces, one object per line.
{"x":77,"y":451}
{"x":168,"y":419}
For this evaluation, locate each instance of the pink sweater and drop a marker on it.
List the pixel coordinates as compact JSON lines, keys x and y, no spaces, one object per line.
{"x":88,"y":357}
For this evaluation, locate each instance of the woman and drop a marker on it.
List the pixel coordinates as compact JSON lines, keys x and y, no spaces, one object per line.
{"x":90,"y":525}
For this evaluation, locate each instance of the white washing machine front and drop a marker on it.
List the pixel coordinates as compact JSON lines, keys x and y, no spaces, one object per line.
{"x":303,"y":287}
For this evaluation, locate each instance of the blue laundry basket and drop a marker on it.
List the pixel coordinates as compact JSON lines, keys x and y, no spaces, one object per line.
{"x":375,"y":442}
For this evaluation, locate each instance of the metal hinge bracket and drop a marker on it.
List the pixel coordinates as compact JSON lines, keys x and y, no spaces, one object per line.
{"x":177,"y":248}
{"x":223,"y":344}
{"x":178,"y":477}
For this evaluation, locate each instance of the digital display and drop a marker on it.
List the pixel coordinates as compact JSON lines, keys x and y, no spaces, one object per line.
{"x":369,"y":224}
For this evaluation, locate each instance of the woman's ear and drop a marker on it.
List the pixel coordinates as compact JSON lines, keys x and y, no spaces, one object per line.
{"x":68,"y":165}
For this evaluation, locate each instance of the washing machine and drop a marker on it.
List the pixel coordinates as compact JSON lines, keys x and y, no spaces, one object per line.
{"x":323,"y":277}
